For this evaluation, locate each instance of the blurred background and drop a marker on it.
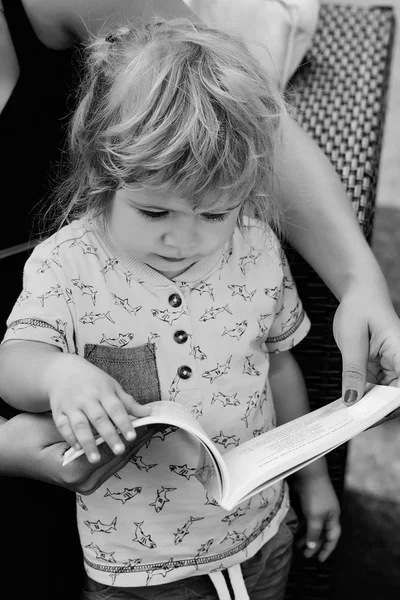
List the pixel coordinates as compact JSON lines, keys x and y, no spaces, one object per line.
{"x":370,"y":551}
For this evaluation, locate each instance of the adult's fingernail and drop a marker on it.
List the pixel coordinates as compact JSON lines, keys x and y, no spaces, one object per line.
{"x":350,"y":396}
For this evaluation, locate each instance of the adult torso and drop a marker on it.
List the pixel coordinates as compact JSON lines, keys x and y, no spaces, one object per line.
{"x":36,"y":81}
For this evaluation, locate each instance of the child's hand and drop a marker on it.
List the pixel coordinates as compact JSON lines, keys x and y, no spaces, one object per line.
{"x":321,"y":510}
{"x":82,"y":398}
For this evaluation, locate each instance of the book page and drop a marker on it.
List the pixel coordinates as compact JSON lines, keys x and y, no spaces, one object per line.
{"x":212,"y":470}
{"x":258,"y":463}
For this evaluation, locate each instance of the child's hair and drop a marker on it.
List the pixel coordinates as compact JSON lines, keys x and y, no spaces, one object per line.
{"x":177,"y":106}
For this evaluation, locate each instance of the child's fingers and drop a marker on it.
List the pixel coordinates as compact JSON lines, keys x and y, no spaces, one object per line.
{"x":62,"y":423}
{"x":332,"y":535}
{"x":326,"y":550}
{"x":109,"y":463}
{"x":81,"y":425}
{"x":313,"y":536}
{"x":115,"y":409}
{"x":100,"y":420}
{"x":76,"y":430}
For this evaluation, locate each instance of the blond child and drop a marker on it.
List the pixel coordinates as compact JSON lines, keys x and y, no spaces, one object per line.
{"x":167,"y":282}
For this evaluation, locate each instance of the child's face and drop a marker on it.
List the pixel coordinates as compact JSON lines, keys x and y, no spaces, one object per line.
{"x":163,"y":231}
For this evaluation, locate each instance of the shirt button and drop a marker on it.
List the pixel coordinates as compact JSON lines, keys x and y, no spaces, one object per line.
{"x":175,"y":300}
{"x":185,"y":372}
{"x":180,"y":336}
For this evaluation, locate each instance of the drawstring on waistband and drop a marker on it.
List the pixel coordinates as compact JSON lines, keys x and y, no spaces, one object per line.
{"x":237,"y":583}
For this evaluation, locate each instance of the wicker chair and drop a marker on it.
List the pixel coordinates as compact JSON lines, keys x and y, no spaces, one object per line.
{"x":340,"y":93}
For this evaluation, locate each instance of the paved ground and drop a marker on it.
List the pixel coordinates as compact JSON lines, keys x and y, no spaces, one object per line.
{"x":370,"y":550}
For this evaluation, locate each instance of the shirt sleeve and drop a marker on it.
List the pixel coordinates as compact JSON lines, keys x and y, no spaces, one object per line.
{"x":42,"y":312}
{"x":291,"y":323}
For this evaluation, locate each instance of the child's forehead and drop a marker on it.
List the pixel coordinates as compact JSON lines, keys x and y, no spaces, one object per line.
{"x":147,"y":195}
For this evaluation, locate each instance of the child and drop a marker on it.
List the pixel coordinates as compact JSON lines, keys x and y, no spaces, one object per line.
{"x":168,"y":283}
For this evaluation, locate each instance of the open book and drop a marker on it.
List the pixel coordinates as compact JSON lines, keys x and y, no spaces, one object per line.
{"x":249,"y":468}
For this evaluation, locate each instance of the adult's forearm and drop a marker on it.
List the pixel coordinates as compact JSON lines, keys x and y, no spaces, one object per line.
{"x":321,"y":223}
{"x":81,"y":19}
{"x":22,"y":369}
{"x":12,"y":449}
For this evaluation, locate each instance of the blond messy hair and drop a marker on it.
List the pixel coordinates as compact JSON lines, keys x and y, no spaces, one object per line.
{"x":177,"y":106}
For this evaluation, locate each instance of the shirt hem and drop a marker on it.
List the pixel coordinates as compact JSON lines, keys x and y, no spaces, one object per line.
{"x":135,"y":574}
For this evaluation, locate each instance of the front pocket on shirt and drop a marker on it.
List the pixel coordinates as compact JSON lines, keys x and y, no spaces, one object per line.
{"x":135,"y":369}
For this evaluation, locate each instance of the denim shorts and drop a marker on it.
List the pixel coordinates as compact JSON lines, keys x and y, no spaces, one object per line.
{"x":265,"y":575}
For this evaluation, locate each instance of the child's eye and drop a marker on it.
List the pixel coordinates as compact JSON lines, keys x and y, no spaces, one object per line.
{"x":214,"y":216}
{"x":153,"y":215}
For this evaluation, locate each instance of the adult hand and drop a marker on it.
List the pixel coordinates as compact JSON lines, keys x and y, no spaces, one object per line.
{"x":367,"y":332}
{"x":38,"y":449}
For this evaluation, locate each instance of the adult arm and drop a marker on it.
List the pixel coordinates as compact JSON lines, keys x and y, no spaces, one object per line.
{"x":323,"y":228}
{"x":31,"y":446}
{"x":319,"y":214}
{"x":62,"y":22}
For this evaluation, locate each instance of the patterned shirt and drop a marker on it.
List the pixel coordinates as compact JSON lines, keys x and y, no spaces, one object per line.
{"x":202,"y":339}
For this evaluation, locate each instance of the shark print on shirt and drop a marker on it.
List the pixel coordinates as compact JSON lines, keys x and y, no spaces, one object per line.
{"x":208,"y":334}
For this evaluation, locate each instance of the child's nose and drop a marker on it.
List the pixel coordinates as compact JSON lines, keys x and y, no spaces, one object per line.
{"x":183,"y":237}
